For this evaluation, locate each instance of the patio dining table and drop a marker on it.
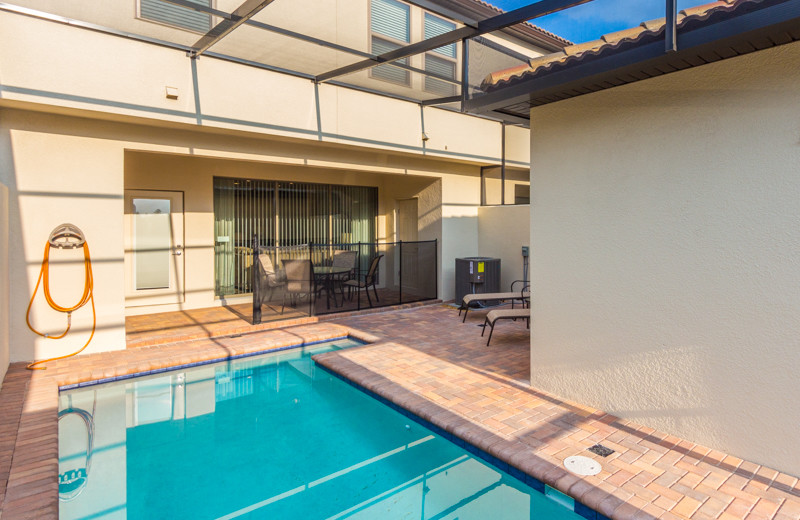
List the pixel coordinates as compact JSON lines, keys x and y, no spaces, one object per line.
{"x":326,"y":275}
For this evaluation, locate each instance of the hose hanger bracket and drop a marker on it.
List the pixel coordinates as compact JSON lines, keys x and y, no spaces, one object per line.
{"x":67,"y":236}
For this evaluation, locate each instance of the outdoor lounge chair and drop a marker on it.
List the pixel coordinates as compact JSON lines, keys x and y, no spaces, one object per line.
{"x":504,"y":314}
{"x":523,"y":296}
{"x":370,"y":280}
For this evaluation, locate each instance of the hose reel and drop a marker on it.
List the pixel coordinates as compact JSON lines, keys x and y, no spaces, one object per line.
{"x":64,"y":236}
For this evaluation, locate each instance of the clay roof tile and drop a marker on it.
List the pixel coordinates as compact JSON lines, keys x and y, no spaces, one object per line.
{"x":703,"y":9}
{"x":572,"y":50}
{"x":631,"y":33}
{"x":609,"y":41}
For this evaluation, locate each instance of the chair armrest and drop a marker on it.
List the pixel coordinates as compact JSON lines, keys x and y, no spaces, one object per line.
{"x":525,"y":285}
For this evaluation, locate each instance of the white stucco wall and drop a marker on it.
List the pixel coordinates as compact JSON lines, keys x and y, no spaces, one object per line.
{"x":665,"y":228}
{"x":4,"y":301}
{"x":502,"y":231}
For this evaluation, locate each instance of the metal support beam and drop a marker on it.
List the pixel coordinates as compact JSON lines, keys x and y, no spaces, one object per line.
{"x":671,"y":26}
{"x":464,"y":72}
{"x":440,"y":101}
{"x":495,"y":23}
{"x":244,"y":12}
{"x":503,"y":164}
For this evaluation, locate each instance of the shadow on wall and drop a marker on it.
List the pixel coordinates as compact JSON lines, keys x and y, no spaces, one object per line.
{"x":9,"y":219}
{"x":459,"y":240}
{"x":43,"y":195}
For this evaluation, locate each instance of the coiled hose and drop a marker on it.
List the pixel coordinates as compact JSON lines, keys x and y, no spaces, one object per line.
{"x":88,"y":295}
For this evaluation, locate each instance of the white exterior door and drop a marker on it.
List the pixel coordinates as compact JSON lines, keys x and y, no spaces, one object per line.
{"x":154,"y":261}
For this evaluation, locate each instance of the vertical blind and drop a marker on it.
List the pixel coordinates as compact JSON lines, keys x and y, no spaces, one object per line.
{"x":172,"y":14}
{"x":283,"y":214}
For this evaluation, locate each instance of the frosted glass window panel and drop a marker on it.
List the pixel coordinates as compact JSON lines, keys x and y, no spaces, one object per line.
{"x":152,"y":238}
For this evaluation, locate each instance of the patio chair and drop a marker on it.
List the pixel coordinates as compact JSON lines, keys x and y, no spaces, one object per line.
{"x":346,"y":259}
{"x":299,"y":281}
{"x":269,"y":277}
{"x":523,"y":296}
{"x":370,"y":280}
{"x":504,"y":314}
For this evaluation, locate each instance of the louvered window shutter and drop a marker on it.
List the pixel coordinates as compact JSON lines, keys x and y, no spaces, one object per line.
{"x":391,"y":18}
{"x":178,"y":16}
{"x":434,"y":26}
{"x":442,"y":67}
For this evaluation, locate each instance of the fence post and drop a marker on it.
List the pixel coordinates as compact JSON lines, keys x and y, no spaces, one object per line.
{"x":256,"y":283}
{"x":358,"y":279}
{"x":400,"y":271}
{"x":436,"y":266}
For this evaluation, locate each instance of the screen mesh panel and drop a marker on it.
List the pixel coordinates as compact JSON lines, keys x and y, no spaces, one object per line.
{"x":284,"y":214}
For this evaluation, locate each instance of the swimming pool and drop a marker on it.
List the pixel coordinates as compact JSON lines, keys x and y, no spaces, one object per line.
{"x":272,"y":436}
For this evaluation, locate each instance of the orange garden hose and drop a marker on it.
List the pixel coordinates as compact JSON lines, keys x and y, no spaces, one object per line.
{"x":88,"y":295}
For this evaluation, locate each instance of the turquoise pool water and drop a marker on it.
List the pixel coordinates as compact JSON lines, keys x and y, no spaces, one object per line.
{"x":273,"y":437}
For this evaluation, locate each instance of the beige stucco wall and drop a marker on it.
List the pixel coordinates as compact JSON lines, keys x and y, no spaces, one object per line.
{"x":502,"y":231}
{"x":665,"y":238}
{"x":63,"y":168}
{"x":57,"y":174}
{"x":193,"y":176}
{"x":344,"y":23}
{"x":129,"y":78}
{"x":4,"y":280}
{"x":70,"y":124}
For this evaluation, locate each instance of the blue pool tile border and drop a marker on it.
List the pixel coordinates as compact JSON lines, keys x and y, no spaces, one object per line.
{"x":580,"y":509}
{"x":200,"y":363}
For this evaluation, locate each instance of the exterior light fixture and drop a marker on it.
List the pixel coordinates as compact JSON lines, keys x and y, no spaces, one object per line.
{"x":172,"y":92}
{"x":425,"y":136}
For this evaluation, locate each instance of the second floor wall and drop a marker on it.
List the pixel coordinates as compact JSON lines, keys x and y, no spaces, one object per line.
{"x":349,"y":30}
{"x":53,"y":64}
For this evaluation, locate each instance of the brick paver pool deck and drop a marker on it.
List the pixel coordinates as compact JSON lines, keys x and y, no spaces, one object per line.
{"x":428,"y":362}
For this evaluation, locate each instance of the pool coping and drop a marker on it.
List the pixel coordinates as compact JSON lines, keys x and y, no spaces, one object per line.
{"x":578,"y":508}
{"x":724,"y":480}
{"x":29,"y":402}
{"x":29,"y":427}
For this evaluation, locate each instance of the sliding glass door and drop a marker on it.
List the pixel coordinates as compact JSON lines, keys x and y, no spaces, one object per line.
{"x":283,"y":213}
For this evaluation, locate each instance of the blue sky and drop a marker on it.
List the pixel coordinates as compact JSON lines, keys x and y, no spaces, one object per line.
{"x":590,"y":21}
